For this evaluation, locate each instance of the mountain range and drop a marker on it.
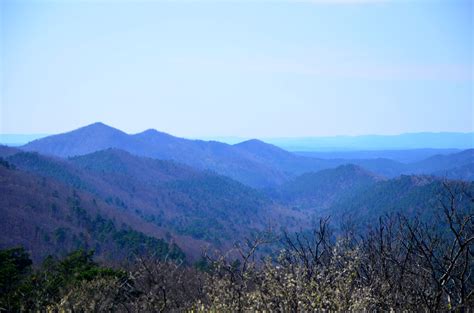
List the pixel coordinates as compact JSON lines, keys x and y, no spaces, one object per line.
{"x":253,"y":162}
{"x":127,"y":194}
{"x":407,"y":141}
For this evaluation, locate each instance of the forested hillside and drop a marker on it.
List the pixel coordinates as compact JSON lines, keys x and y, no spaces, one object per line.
{"x":195,"y":208}
{"x":47,"y":217}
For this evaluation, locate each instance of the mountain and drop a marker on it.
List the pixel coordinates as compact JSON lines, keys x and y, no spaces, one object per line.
{"x":438,"y":163}
{"x":49,"y":217}
{"x":464,"y":172}
{"x":350,"y":194}
{"x":111,"y":200}
{"x":381,"y":166}
{"x":195,"y":208}
{"x":412,"y":195}
{"x":84,"y":140}
{"x":263,"y":151}
{"x":219,"y":157}
{"x":253,"y":162}
{"x":318,"y":190}
{"x":403,"y":156}
{"x":283,"y":160}
{"x":121,"y":163}
{"x":203,"y":205}
{"x":408,"y":147}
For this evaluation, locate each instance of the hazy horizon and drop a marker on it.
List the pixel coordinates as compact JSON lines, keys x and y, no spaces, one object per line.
{"x":247,"y":69}
{"x":370,"y":142}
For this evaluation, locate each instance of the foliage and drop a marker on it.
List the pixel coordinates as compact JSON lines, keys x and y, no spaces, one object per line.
{"x":24,"y":289}
{"x":36,"y":163}
{"x":6,"y":164}
{"x":15,"y":266}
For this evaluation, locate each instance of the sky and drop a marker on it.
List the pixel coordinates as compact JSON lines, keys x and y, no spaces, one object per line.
{"x":269,"y":68}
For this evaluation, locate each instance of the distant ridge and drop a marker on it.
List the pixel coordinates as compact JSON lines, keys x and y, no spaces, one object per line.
{"x":222,"y":158}
{"x":252,"y":162}
{"x":324,"y":144}
{"x":404,"y":156}
{"x":425,"y":140}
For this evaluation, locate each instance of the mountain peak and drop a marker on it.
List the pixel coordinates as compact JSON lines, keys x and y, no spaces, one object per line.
{"x":251,"y":142}
{"x":87,"y":139}
{"x":150,"y":131}
{"x":94,"y":129}
{"x":153,"y":134}
{"x":346,"y":171}
{"x":98,"y":126}
{"x":262,"y":149}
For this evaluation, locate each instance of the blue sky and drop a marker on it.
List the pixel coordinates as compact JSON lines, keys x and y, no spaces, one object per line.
{"x":238,"y":68}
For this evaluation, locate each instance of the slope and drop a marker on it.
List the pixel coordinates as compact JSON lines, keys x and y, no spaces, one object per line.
{"x":49,"y":217}
{"x":318,"y":190}
{"x":183,"y":202}
{"x":211,"y":155}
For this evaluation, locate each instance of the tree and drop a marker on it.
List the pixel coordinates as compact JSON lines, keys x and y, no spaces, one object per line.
{"x":15,"y":266}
